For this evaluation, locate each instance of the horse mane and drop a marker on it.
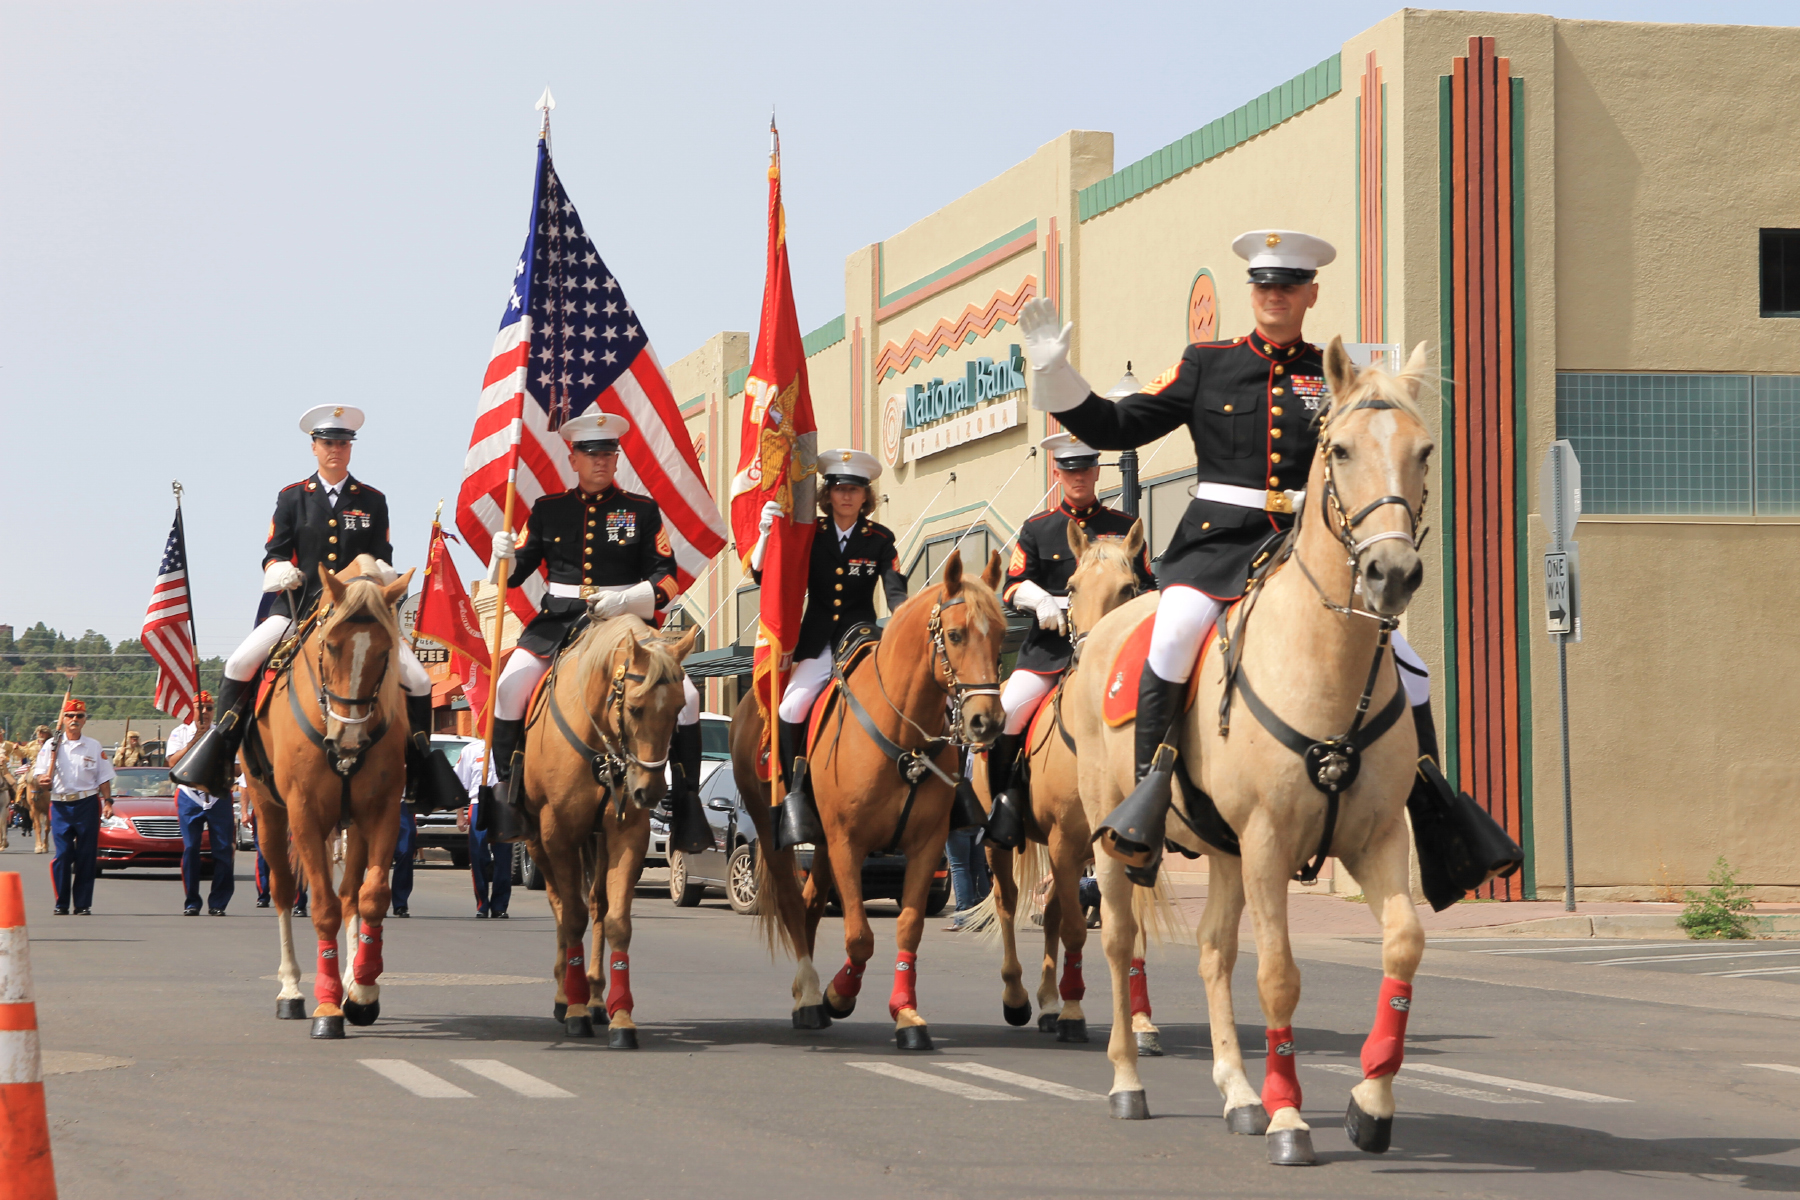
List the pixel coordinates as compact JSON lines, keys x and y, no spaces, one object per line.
{"x":1377,"y":383}
{"x":363,"y":600}
{"x":984,"y":605}
{"x":1106,"y":550}
{"x":599,"y":640}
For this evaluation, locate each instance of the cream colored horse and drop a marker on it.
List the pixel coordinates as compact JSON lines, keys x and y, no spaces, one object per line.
{"x":1310,"y":665}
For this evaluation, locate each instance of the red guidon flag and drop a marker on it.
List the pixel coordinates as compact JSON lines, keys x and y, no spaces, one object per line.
{"x":445,"y":614}
{"x":779,"y":447}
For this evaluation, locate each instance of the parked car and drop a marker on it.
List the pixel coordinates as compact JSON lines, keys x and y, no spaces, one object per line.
{"x":715,"y":752}
{"x":730,"y":864}
{"x":438,"y":830}
{"x":144,"y":830}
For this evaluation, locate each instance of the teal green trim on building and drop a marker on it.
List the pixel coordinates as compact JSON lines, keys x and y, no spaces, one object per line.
{"x":695,"y":403}
{"x":1522,"y":492}
{"x":734,"y":382}
{"x":828,"y":334}
{"x":1447,"y":456}
{"x":888,"y":298}
{"x":1213,"y":139}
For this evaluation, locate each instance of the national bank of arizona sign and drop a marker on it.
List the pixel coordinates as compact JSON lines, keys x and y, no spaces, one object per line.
{"x":949,"y":412}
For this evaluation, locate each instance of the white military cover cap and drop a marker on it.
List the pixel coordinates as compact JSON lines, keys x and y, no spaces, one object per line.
{"x":1070,"y":451}
{"x":595,"y":430}
{"x":334,"y":422}
{"x":849,"y":466}
{"x":1282,"y":255}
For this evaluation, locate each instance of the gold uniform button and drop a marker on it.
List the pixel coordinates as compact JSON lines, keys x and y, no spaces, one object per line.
{"x":1275,"y":457}
{"x":835,"y":603}
{"x":590,"y":537}
{"x":838,"y":586}
{"x":590,"y":524}
{"x":1274,"y":433}
{"x":1228,"y":408}
{"x":1275,"y":411}
{"x":1268,"y":349}
{"x":332,"y":539}
{"x":1274,"y":482}
{"x":331,"y":558}
{"x":332,"y":522}
{"x":1206,"y":524}
{"x":840,"y":571}
{"x":1275,"y":391}
{"x":1278,"y":368}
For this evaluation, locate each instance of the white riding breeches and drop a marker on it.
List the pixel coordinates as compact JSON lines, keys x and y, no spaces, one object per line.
{"x":1020,"y":697}
{"x":803,"y":685}
{"x":1182,"y":619}
{"x":1415,"y":676}
{"x":520,"y":679}
{"x":690,"y":705}
{"x":249,"y":657}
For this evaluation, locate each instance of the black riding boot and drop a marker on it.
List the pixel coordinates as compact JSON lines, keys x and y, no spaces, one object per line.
{"x":431,"y":781}
{"x":798,"y":820}
{"x":689,"y":830}
{"x":1460,"y":846}
{"x":207,"y":764}
{"x":503,"y":815}
{"x":1133,"y":832}
{"x":1006,"y":823}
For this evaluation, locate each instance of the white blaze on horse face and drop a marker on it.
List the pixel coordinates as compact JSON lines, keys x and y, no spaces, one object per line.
{"x":359,"y":657}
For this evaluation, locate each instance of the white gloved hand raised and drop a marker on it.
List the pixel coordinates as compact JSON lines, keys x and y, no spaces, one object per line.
{"x":1055,"y":385}
{"x":282,"y":577}
{"x":770,"y":511}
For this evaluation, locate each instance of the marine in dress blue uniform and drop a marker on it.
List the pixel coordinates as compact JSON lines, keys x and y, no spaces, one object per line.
{"x":80,"y":781}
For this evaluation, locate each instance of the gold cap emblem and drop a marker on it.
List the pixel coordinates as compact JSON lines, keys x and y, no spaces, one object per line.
{"x":602,"y":421}
{"x":1274,"y":239}
{"x":338,"y":411}
{"x":846,"y":456}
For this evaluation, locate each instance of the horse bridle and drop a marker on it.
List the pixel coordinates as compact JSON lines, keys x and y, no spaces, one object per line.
{"x":326,"y":694}
{"x":608,"y":763}
{"x":956,"y":688}
{"x":1079,"y":636}
{"x":326,"y":712}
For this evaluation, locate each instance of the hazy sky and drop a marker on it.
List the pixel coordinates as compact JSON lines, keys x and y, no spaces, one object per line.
{"x":213,"y":216}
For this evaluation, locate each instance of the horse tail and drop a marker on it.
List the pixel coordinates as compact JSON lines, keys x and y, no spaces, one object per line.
{"x":1157,"y":914}
{"x":769,"y":925}
{"x":1030,"y":863}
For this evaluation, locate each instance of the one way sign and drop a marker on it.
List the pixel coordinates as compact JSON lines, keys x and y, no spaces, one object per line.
{"x":1562,"y":591}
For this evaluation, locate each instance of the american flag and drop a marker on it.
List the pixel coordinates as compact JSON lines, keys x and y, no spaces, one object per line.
{"x":569,"y":340}
{"x":169,"y":630}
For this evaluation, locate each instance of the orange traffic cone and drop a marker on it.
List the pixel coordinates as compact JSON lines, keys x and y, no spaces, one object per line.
{"x":25,"y":1169}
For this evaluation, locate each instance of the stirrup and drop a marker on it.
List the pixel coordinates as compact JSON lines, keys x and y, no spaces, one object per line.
{"x":1005,"y":825}
{"x":1133,"y":832}
{"x":798,"y":820}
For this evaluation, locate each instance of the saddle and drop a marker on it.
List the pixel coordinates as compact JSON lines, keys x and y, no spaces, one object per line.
{"x":858,"y":642}
{"x":1120,"y":703}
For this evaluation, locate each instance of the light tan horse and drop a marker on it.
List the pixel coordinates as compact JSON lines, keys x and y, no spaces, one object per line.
{"x":1311,"y":663}
{"x":594,"y":768}
{"x":329,"y":749}
{"x":940,"y":650}
{"x":28,"y":798}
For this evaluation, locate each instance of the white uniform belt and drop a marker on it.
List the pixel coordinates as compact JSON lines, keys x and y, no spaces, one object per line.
{"x":1245,"y":497}
{"x":585,"y":591}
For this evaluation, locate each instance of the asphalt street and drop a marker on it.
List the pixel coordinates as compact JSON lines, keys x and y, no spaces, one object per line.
{"x":1540,"y":1074}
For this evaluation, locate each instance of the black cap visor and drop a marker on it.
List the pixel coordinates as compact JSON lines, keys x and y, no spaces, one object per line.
{"x":599,"y":446}
{"x":851,"y":480}
{"x":1078,"y":462}
{"x":1280,"y":275}
{"x":335,"y":435}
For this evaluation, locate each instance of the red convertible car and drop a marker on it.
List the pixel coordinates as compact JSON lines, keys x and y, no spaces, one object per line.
{"x":143,"y":830}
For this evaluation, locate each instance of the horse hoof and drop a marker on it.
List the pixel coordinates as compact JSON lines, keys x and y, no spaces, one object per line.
{"x":833,"y":1011}
{"x":1129,"y":1106}
{"x":1291,"y":1148}
{"x":621,"y":1039}
{"x":812,"y":1016}
{"x":913,"y":1037}
{"x":559,"y":1012}
{"x":327,"y":1028}
{"x":578,"y":1026}
{"x":1369,"y":1134}
{"x":1251,"y":1119}
{"x":1016,"y":1016}
{"x":290,"y":1010}
{"x":1047,"y":1022}
{"x":1149,"y":1045}
{"x":1071,"y":1031}
{"x":361,"y":1014}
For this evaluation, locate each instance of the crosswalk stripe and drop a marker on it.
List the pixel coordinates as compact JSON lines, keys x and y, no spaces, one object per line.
{"x":1445,"y":1089}
{"x":416,"y":1080}
{"x":1059,"y":1090}
{"x":1542,"y":1089}
{"x":967,"y":1091}
{"x":511,"y":1077}
{"x":1752,"y":971}
{"x":1656,"y":958}
{"x":1590,"y":948}
{"x":1776,"y":1067}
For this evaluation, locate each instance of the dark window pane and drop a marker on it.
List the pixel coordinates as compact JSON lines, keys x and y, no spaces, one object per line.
{"x":1781,"y":272}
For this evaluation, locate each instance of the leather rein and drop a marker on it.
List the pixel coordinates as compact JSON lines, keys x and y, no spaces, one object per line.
{"x":326,"y":697}
{"x":609,"y":762}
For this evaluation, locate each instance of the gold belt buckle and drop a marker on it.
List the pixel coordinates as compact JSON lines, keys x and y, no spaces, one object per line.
{"x":589,"y":591}
{"x":1278,"y":502}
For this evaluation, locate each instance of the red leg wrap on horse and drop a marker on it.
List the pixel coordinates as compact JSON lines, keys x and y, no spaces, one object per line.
{"x":575,"y":980}
{"x":1386,"y":1045}
{"x":906,"y":984}
{"x":848,"y":981}
{"x":1071,"y":987}
{"x":618,"y":988}
{"x":1281,"y":1086}
{"x":328,"y":987}
{"x":368,"y":955}
{"x":1140,"y":989}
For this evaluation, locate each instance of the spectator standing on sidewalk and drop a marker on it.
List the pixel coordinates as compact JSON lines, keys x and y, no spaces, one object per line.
{"x":490,"y":861}
{"x":401,"y":878}
{"x":80,"y":779}
{"x":200,"y":812}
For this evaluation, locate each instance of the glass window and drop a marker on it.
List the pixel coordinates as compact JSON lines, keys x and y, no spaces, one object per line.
{"x":976,"y":544}
{"x":1167,"y":502}
{"x":715,"y":739}
{"x":749,"y":603}
{"x":1663,"y":444}
{"x":1777,"y":403}
{"x":1781,"y":272}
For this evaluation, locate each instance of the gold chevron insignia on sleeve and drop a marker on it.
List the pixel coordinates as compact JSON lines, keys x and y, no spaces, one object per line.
{"x":1018,"y":561}
{"x":1162,"y":381}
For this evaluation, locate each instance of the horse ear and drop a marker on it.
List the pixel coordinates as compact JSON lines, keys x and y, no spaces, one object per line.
{"x":992,"y":575}
{"x":395,"y":592}
{"x":1134,"y":541}
{"x":1412,"y":375}
{"x":686,"y":645}
{"x":1078,"y":539}
{"x":334,"y":587}
{"x":953,"y":573}
{"x":1340,"y":372}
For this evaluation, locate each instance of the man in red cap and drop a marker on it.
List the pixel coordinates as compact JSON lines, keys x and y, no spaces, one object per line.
{"x":200,"y":811}
{"x":80,"y":782}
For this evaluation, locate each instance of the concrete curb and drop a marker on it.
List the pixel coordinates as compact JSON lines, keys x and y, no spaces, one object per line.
{"x":1612,"y":926}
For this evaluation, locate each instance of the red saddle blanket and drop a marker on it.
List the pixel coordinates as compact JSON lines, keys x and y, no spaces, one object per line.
{"x":821,"y":708}
{"x":1120,"y":704}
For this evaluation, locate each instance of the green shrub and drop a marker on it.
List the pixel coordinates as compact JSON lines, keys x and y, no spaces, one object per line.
{"x":1721,"y":911}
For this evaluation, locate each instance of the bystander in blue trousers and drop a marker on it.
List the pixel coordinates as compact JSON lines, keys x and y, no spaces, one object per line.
{"x":215,"y":821}
{"x":490,"y":867}
{"x":75,"y":827}
{"x":262,"y":870}
{"x":968,"y":871}
{"x":402,"y":878}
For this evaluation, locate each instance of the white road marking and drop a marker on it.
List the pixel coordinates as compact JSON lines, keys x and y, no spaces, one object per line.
{"x":1590,"y":946}
{"x":1749,"y":971}
{"x":1655,"y":958}
{"x":1447,"y":1089}
{"x":416,"y":1080}
{"x":512,"y":1077}
{"x":967,"y":1091}
{"x":1059,"y":1090}
{"x":1542,"y":1089}
{"x":1776,"y":1067}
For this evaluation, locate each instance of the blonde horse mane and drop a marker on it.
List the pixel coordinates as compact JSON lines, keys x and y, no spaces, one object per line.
{"x":1399,"y":389}
{"x":364,"y":597}
{"x":597,"y":644}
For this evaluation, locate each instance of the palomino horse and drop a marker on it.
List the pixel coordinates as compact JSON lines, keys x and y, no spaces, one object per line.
{"x":619,"y":685}
{"x":27,"y":797}
{"x":883,"y":771}
{"x":1055,"y":819}
{"x":1317,"y":651}
{"x":329,"y":751}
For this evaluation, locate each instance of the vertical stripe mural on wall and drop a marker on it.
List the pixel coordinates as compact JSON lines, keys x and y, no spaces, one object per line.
{"x":1487,"y":728}
{"x":858,"y":440}
{"x":1371,"y":250}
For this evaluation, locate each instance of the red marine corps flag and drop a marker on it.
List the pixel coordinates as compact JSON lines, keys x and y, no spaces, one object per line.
{"x":778,"y":446}
{"x":445,"y":614}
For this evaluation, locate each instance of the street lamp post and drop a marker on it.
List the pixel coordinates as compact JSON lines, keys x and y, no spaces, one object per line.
{"x":1130,"y":493}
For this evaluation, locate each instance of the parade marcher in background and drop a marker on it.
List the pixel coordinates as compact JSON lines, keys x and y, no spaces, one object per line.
{"x":262,"y":861}
{"x":851,"y":556}
{"x":27,"y":783}
{"x":490,"y":861}
{"x":400,"y":879}
{"x":130,"y":751}
{"x":201,"y":812}
{"x":607,"y":554}
{"x":80,"y":781}
{"x":1037,"y":585}
{"x":1252,"y":406}
{"x":327,"y":519}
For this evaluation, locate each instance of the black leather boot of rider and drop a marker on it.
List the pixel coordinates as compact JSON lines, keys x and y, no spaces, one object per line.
{"x":1005,"y":825}
{"x":208,"y":760}
{"x":431,"y":782}
{"x":504,"y":815}
{"x":689,"y":830}
{"x":1133,"y":831}
{"x":798,"y":820}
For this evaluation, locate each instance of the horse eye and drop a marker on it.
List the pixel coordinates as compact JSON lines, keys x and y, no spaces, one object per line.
{"x":636,"y":711}
{"x":1340,"y":452}
{"x":1425,"y":454}
{"x":956,"y":637}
